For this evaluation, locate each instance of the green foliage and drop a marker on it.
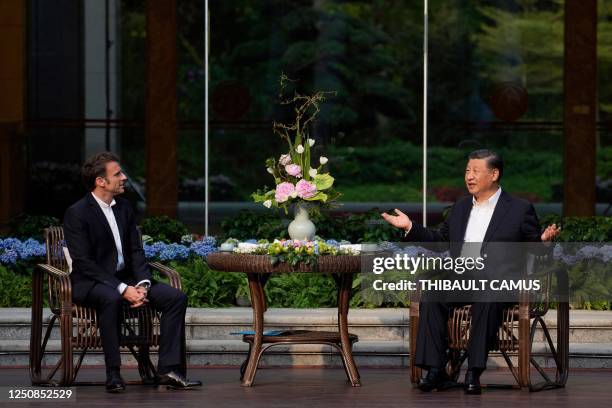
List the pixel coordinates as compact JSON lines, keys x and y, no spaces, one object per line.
{"x":16,"y":288}
{"x":164,"y":229}
{"x":254,"y":225}
{"x":581,"y":229}
{"x":356,"y":228}
{"x":590,"y":284}
{"x":31,"y":226}
{"x":301,"y":290}
{"x":207,"y":288}
{"x":604,"y":162}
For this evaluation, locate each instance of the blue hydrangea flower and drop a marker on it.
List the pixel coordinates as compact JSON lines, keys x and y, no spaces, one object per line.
{"x":8,"y":256}
{"x":152,"y":251}
{"x":212,"y":241}
{"x":174,"y":252}
{"x":31,"y":249}
{"x":9,"y":243}
{"x":204,"y":247}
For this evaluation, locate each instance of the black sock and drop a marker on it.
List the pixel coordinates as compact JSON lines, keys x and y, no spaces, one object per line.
{"x":166,"y":369}
{"x":112,"y":370}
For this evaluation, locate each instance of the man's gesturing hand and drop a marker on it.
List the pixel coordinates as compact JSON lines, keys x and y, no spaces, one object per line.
{"x":134,"y":296}
{"x":550,"y":233}
{"x":400,"y":220}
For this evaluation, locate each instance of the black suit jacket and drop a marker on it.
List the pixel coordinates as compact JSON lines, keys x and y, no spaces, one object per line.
{"x":92,"y":247}
{"x":514,"y":220}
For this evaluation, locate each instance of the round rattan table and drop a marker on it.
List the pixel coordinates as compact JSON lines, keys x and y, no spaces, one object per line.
{"x":258,"y":269}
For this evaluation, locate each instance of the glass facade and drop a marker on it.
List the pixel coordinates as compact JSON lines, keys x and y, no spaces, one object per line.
{"x":495,"y":80}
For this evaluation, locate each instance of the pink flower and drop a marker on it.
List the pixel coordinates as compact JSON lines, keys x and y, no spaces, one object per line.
{"x":285,"y":159}
{"x":305,"y":189}
{"x":284,"y":191}
{"x":293,"y":170}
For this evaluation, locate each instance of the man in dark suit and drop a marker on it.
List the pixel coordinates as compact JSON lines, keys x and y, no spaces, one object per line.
{"x":487,"y":215}
{"x":109,"y":268}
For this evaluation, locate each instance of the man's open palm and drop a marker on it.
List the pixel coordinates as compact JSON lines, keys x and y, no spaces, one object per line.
{"x":400,"y":220}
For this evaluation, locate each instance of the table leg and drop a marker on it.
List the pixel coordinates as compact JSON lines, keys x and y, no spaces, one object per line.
{"x":257,"y":302}
{"x":344,"y":297}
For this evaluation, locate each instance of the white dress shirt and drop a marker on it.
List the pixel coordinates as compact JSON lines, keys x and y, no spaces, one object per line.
{"x":480,"y":217}
{"x":107,"y":210}
{"x":478,"y":223}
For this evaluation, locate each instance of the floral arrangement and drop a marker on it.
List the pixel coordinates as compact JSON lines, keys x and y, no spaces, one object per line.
{"x":296,"y":178}
{"x":295,"y":251}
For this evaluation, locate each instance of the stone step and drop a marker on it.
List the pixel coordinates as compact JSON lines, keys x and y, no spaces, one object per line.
{"x":366,"y":353}
{"x":368,"y":324}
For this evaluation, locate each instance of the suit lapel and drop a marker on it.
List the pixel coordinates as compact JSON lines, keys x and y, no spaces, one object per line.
{"x":500,"y":211}
{"x":95,"y":207}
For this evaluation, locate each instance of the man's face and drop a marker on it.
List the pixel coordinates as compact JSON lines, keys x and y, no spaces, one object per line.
{"x":114,"y":180}
{"x":478,"y":177}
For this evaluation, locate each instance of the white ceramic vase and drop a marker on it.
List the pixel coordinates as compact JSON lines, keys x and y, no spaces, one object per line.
{"x":301,"y":227}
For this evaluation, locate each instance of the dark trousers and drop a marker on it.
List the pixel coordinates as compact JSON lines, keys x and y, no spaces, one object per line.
{"x":171,"y":302}
{"x":432,"y":338}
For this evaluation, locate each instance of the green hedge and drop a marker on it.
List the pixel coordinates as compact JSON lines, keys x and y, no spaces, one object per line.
{"x":356,"y":228}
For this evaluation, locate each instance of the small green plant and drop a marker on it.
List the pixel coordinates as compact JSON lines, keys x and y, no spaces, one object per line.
{"x":164,"y":229}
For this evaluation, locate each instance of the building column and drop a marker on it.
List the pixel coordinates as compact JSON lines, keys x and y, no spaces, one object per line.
{"x":580,"y":107}
{"x":12,"y":86}
{"x":161,"y":108}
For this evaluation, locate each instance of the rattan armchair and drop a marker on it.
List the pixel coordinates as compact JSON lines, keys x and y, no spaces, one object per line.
{"x":516,"y":336}
{"x":78,"y":324}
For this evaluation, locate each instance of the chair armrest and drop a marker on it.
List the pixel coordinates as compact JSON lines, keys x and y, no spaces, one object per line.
{"x":60,"y":288}
{"x":173,"y":276}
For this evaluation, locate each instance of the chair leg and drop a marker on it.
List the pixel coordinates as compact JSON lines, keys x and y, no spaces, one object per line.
{"x":67,"y":367}
{"x":547,"y":383}
{"x":415,"y":372}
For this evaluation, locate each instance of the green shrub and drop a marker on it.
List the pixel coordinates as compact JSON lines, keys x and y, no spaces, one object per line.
{"x":581,"y":229}
{"x":254,"y":225}
{"x":31,"y":226}
{"x":205,"y":287}
{"x":16,"y":288}
{"x":364,"y":227}
{"x":164,"y":229}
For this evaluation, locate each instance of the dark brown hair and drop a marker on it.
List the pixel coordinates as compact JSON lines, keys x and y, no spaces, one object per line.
{"x":94,"y":167}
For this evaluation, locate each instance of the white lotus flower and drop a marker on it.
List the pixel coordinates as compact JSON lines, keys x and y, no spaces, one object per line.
{"x":311,"y":142}
{"x":299,"y":149}
{"x":270,"y":170}
{"x":323,"y":159}
{"x":312,"y":172}
{"x":267,"y":203}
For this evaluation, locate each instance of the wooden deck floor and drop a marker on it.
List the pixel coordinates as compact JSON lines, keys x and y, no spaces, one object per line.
{"x":325,"y":387}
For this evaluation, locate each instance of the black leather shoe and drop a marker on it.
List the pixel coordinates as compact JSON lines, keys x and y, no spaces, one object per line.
{"x":114,"y":382}
{"x":177,"y":381}
{"x":472,"y":382}
{"x":436,"y":379}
